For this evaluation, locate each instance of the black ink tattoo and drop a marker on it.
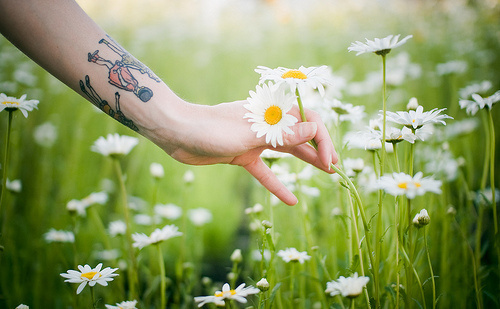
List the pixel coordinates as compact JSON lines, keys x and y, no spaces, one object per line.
{"x":104,"y":106}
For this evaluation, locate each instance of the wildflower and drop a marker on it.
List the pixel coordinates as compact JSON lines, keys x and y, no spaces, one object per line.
{"x":156,"y":170}
{"x":54,"y":235}
{"x":107,"y":255}
{"x":236,"y":256}
{"x":200,"y":216}
{"x":345,"y":111}
{"x":479,"y":88}
{"x":353,"y":166}
{"x":292,"y":255}
{"x":412,"y":104}
{"x":257,"y":255}
{"x":89,"y":275}
{"x":80,"y":206}
{"x":336,"y":211}
{"x":114,"y":145}
{"x":188,"y":177}
{"x":22,"y":306}
{"x":239,"y":295}
{"x":45,"y":134}
{"x":117,"y":227}
{"x":404,"y":184}
{"x":302,"y":79}
{"x":130,"y":304}
{"x":350,"y":287}
{"x":168,"y":211}
{"x":418,"y":118}
{"x":14,"y":186}
{"x":380,"y":47}
{"x":268,"y":108}
{"x":11,"y":104}
{"x":263,"y":284}
{"x":421,"y":219}
{"x":141,"y":240}
{"x":454,"y":66}
{"x":272,"y":156}
{"x":478,"y":102}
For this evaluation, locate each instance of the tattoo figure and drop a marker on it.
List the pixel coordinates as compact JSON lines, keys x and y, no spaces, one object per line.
{"x":120,"y":74}
{"x":104,"y":106}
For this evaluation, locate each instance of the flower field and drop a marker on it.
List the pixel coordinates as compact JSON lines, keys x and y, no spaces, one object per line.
{"x":93,"y":215}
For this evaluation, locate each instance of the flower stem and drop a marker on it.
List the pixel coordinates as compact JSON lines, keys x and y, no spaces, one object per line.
{"x":492,"y":170}
{"x":163,"y":283}
{"x":405,"y":255}
{"x":92,"y":297}
{"x":432,"y":272}
{"x":4,"y":169}
{"x":352,"y":303}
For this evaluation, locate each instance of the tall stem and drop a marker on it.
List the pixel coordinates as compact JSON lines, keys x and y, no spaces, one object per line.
{"x":4,"y":169}
{"x":432,"y":272}
{"x":163,"y":283}
{"x":492,"y":170}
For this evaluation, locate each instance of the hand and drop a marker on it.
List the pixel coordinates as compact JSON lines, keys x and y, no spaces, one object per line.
{"x":220,"y":134}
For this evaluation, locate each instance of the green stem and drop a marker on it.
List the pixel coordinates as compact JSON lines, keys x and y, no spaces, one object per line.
{"x":492,"y":170}
{"x":163,"y":283}
{"x":4,"y":169}
{"x":131,"y":271}
{"x":405,"y":255}
{"x":352,"y":303}
{"x":92,"y":297}
{"x":432,"y":272}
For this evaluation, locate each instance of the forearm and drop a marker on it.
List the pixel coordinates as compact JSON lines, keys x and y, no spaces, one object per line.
{"x":59,"y":36}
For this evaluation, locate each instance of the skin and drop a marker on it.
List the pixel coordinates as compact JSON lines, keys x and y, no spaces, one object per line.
{"x":59,"y":35}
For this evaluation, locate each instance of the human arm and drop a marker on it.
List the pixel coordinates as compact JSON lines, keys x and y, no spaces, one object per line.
{"x":59,"y":36}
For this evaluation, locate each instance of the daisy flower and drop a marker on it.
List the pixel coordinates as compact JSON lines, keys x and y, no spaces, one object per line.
{"x":89,"y":275}
{"x":168,"y":211}
{"x":11,"y":104}
{"x":479,"y":88}
{"x":415,"y":119}
{"x":350,"y":287}
{"x":345,"y":111}
{"x":421,"y":219}
{"x":54,"y":235}
{"x":239,"y":295}
{"x":292,"y":255}
{"x":114,"y":144}
{"x":117,"y":227}
{"x":404,"y":184}
{"x":302,"y":79}
{"x":130,"y":304}
{"x":156,"y":170}
{"x":45,"y":134}
{"x":200,"y":216}
{"x":14,"y":186}
{"x":141,"y":240}
{"x":23,"y":306}
{"x":479,"y":102}
{"x":268,"y":108}
{"x":378,"y":46}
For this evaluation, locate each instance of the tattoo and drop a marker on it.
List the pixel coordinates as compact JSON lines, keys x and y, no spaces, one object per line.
{"x":104,"y":106}
{"x":120,"y":74}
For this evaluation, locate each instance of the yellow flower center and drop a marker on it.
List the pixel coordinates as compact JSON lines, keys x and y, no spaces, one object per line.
{"x":413,"y":120}
{"x":221,"y":294}
{"x":294,"y":74}
{"x":417,"y":184}
{"x":403,"y":185}
{"x":273,"y":115}
{"x":89,"y":275}
{"x":8,"y":102}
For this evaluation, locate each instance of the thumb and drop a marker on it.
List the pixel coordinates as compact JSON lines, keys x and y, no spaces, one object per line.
{"x":303,"y":132}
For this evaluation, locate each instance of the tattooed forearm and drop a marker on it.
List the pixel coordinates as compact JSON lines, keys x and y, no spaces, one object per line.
{"x":104,"y":106}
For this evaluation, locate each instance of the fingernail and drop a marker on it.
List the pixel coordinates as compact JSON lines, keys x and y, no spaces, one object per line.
{"x":307,"y":129}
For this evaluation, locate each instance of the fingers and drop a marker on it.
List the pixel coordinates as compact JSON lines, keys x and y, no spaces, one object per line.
{"x":266,"y":177}
{"x":326,"y":150}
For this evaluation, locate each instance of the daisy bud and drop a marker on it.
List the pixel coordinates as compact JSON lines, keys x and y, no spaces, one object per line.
{"x":267,"y":224}
{"x":412,"y":104}
{"x":336,"y":212}
{"x":236,"y":257}
{"x":206,"y":281}
{"x":156,"y":170}
{"x":421,"y":219}
{"x":249,"y":211}
{"x":451,"y":211}
{"x":263,"y":285}
{"x":258,"y":208}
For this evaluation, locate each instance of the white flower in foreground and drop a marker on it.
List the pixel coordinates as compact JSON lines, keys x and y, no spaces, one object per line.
{"x":156,"y":170}
{"x":421,"y":219}
{"x":302,"y":79}
{"x":168,"y":211}
{"x":90,"y":275}
{"x":130,"y":304}
{"x":404,"y":184}
{"x":479,"y":102}
{"x":239,"y":295}
{"x":268,"y":108}
{"x":114,"y":145}
{"x":350,"y":287}
{"x":378,"y":46}
{"x":200,"y":216}
{"x":54,"y":235}
{"x":12,"y":103}
{"x":263,"y":284}
{"x":415,"y":119}
{"x":14,"y":186}
{"x":292,"y":255}
{"x":45,"y":134}
{"x":117,"y":227}
{"x":141,"y":240}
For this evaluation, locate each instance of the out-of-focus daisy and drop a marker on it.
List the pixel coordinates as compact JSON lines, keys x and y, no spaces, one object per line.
{"x":89,"y":275}
{"x":23,"y":306}
{"x":415,"y":119}
{"x":107,"y":255}
{"x":268,"y":107}
{"x":114,"y":144}
{"x":395,"y":135}
{"x":14,"y":186}
{"x":404,"y":184}
{"x":478,"y":102}
{"x":129,"y":304}
{"x":350,"y":287}
{"x":480,"y":88}
{"x":188,"y":177}
{"x":421,"y":219}
{"x":54,"y":235}
{"x":257,"y":254}
{"x":200,"y":216}
{"x":168,"y":211}
{"x":345,"y":111}
{"x":272,"y":156}
{"x":141,"y":240}
{"x":450,"y":67}
{"x":117,"y":227}
{"x":12,"y":103}
{"x":293,"y":255}
{"x":239,"y":294}
{"x":302,"y":78}
{"x":353,"y":166}
{"x":45,"y":134}
{"x":156,"y":170}
{"x":412,"y":104}
{"x":378,"y":46}
{"x":80,"y":206}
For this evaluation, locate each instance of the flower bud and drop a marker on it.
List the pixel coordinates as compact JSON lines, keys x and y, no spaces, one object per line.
{"x":236,"y":257}
{"x":188,"y":177}
{"x":267,"y":224}
{"x":412,"y":104}
{"x":263,"y":285}
{"x":421,"y":219}
{"x":156,"y":170}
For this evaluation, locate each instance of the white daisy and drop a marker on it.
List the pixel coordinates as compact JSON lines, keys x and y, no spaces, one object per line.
{"x":293,"y":255}
{"x":404,"y":184}
{"x":23,"y":306}
{"x":454,"y":66}
{"x":117,"y":227}
{"x":479,"y":88}
{"x":130,"y":304}
{"x":141,"y":240}
{"x":353,"y":166}
{"x":303,"y":78}
{"x":114,"y":144}
{"x":168,"y":211}
{"x":239,"y":295}
{"x":156,"y":170}
{"x":89,"y":275}
{"x":345,"y":111}
{"x":12,"y":103}
{"x":378,"y":46}
{"x":268,"y":108}
{"x":45,"y":134}
{"x":200,"y":216}
{"x":350,"y":287}
{"x":14,"y":186}
{"x":54,"y":235}
{"x":479,"y":102}
{"x":415,"y":119}
{"x":421,"y":219}
{"x":188,"y":177}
